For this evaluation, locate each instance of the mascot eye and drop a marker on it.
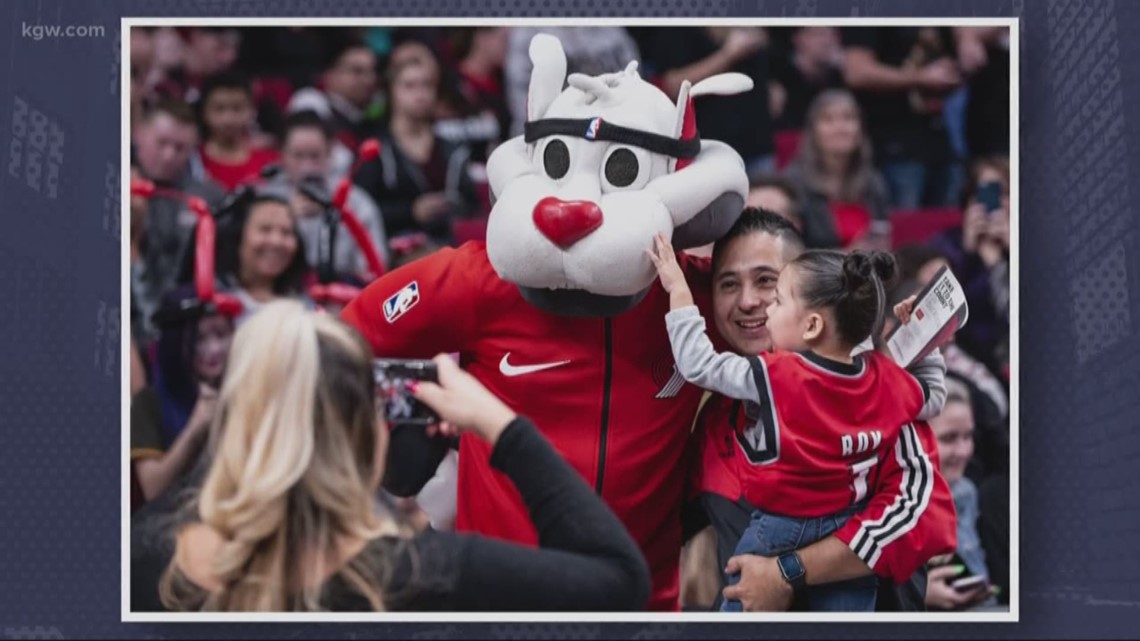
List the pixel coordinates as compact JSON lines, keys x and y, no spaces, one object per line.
{"x":622,"y":168}
{"x":556,"y":159}
{"x":625,"y":169}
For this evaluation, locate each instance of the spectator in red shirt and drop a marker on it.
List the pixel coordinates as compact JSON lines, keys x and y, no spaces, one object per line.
{"x":842,"y":198}
{"x":227,"y":117}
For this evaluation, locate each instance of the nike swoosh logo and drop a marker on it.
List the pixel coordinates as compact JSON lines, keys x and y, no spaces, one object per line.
{"x":518,"y":370}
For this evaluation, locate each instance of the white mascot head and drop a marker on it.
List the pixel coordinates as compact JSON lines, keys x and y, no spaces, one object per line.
{"x":603,"y":166}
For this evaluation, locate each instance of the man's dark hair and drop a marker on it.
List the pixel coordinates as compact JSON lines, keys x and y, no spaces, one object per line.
{"x":233,"y":80}
{"x":754,"y":220}
{"x":306,"y":119}
{"x":775,"y":182}
{"x":339,"y":45}
{"x":176,"y":109}
{"x":781,"y":184}
{"x":224,"y":81}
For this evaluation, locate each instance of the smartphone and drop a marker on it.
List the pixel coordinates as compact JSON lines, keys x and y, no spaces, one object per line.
{"x":968,"y":583}
{"x":393,"y":377}
{"x":989,"y":195}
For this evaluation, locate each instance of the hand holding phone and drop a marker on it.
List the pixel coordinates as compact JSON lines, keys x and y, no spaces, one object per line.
{"x":462,"y":401}
{"x":395,"y":380}
{"x":989,"y":195}
{"x":968,"y":584}
{"x":951,"y":586}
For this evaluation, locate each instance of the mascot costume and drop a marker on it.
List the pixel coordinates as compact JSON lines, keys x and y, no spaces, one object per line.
{"x":560,"y":312}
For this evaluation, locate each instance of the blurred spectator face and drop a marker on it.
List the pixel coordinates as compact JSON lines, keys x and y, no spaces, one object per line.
{"x":354,"y":76}
{"x":164,"y":147}
{"x":988,"y":173}
{"x":926,"y":272}
{"x":774,"y":200}
{"x":142,"y":60}
{"x":954,"y":428}
{"x":491,"y":44}
{"x":414,"y":91}
{"x":211,"y":52}
{"x":169,"y":49}
{"x":304,"y":154}
{"x":410,"y":50}
{"x":744,"y":284}
{"x":836,"y":128}
{"x":228,"y":113}
{"x":818,"y":44}
{"x":212,"y":348}
{"x":268,"y":243}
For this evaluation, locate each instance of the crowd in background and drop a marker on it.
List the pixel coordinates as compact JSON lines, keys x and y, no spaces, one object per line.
{"x":864,"y":137}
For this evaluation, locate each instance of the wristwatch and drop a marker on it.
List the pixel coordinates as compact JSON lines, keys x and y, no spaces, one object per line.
{"x":792,"y":570}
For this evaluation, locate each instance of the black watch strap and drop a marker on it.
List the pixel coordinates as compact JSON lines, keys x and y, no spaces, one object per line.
{"x":792,"y":569}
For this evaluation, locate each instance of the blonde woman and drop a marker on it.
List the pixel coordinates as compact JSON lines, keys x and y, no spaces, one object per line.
{"x":286,"y":518}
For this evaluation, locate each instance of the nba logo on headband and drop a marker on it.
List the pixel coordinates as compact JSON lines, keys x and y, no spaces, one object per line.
{"x":592,"y":130}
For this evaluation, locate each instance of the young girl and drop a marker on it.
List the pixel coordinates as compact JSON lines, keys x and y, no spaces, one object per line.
{"x":821,"y":419}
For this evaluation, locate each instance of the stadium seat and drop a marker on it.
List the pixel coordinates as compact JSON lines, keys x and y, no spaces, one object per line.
{"x":919,"y":225}
{"x":787,"y":143}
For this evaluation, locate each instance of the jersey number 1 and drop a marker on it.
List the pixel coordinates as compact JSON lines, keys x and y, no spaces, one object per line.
{"x":859,"y":473}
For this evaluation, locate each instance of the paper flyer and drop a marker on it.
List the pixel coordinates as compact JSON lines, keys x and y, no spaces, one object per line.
{"x":939,"y":311}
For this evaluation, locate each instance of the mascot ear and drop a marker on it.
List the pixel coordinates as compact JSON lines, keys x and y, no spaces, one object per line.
{"x":685,"y":126}
{"x":547,"y":76}
{"x":716,"y":176}
{"x":723,"y":84}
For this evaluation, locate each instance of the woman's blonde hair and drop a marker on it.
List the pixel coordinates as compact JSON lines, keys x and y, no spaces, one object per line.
{"x":292,"y":468}
{"x":856,"y":183}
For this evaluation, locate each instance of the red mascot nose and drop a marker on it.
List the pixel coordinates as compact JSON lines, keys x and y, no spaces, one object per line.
{"x":565,"y":223}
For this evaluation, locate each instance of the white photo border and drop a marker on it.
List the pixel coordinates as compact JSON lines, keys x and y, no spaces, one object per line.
{"x":1012,"y":616}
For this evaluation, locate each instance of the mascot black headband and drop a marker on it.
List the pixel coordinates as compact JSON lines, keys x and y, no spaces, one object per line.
{"x":597,"y":129}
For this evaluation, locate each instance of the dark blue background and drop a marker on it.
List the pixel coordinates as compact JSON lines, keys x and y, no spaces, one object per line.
{"x":1080,"y":352}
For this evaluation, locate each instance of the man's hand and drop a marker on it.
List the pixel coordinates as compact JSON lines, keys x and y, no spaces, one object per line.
{"x":972,"y":54}
{"x":940,"y":75}
{"x":761,"y":587}
{"x":429,"y":207}
{"x":742,"y":42}
{"x":302,"y":206}
{"x":940,"y":596}
{"x":202,"y":414}
{"x":974,"y":224}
